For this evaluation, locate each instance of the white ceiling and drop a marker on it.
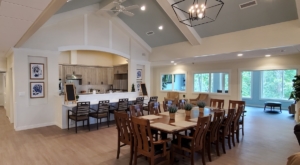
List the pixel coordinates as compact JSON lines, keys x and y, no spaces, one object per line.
{"x":16,"y":17}
{"x":279,"y":51}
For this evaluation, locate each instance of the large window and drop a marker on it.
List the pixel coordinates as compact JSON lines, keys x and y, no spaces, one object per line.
{"x":211,"y":82}
{"x":173,"y":82}
{"x":246,"y":84}
{"x":277,"y":84}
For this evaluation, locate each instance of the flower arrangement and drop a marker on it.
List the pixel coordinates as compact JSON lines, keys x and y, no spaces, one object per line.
{"x":188,"y":107}
{"x":172,"y":109}
{"x":201,"y":104}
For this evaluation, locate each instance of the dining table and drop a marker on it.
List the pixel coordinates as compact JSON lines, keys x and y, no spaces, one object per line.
{"x":163,"y":123}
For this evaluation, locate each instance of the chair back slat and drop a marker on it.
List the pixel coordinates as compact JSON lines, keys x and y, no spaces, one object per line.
{"x":215,"y":125}
{"x":143,"y":136}
{"x":139,"y":100}
{"x":200,"y":132}
{"x":153,"y":99}
{"x":217,"y":103}
{"x":103,"y":106}
{"x":235,"y":104}
{"x":228,"y":121}
{"x":182,"y":102}
{"x":154,"y":108}
{"x":136,"y":110}
{"x":83,"y":108}
{"x":123,"y":104}
{"x":237,"y":116}
{"x":124,"y":127}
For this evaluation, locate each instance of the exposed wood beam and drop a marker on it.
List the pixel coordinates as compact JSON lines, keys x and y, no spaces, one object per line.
{"x":189,"y":32}
{"x":51,"y":9}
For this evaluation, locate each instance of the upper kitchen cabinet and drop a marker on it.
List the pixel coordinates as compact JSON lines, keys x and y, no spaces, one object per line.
{"x":110,"y":75}
{"x":91,"y":75}
{"x":122,"y":69}
{"x":101,"y":76}
{"x":60,"y":72}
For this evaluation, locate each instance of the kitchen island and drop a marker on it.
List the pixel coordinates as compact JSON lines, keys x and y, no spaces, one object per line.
{"x":62,"y":111}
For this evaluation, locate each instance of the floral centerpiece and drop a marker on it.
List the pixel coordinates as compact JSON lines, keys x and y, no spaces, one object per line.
{"x":187,"y":107}
{"x":201,"y":106}
{"x":172,"y":110}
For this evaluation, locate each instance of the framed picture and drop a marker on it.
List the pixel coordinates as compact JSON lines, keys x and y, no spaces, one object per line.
{"x":139,"y":74}
{"x":37,"y":90}
{"x":138,"y":85}
{"x":36,"y":71}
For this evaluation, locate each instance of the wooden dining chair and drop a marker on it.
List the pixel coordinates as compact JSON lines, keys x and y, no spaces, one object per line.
{"x":125,"y":134}
{"x":80,"y":113}
{"x":192,"y":144}
{"x":235,"y":130}
{"x":154,"y":108}
{"x":144,"y":144}
{"x":101,"y":112}
{"x":225,"y":129}
{"x":181,"y":103}
{"x":213,"y":132}
{"x":152,"y":99}
{"x":136,"y":110}
{"x":140,"y":101}
{"x":217,"y":103}
{"x":168,"y":103}
{"x":235,"y":104}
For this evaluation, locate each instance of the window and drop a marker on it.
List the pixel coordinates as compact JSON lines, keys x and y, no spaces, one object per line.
{"x":277,"y":84}
{"x":211,"y":82}
{"x":173,"y":82}
{"x":246,"y":84}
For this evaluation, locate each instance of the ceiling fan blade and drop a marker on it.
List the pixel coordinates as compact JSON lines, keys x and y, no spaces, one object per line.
{"x":132,"y":7}
{"x":128,"y":13}
{"x":117,"y":13}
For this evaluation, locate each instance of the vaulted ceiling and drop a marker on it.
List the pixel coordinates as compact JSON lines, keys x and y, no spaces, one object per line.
{"x":231,"y":18}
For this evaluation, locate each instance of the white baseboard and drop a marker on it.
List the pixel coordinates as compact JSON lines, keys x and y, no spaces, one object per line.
{"x":34,"y":126}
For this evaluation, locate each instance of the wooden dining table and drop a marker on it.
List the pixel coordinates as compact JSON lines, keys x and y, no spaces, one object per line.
{"x":163,"y":123}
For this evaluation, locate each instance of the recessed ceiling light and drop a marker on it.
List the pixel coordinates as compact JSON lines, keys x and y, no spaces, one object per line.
{"x":172,"y":61}
{"x":268,"y":55}
{"x":143,"y":8}
{"x":160,"y":27}
{"x":69,"y":0}
{"x":240,"y":55}
{"x":175,"y":64}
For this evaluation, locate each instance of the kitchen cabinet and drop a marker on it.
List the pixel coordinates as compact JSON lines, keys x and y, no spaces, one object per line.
{"x":91,"y":75}
{"x":110,"y":75}
{"x":122,"y":69}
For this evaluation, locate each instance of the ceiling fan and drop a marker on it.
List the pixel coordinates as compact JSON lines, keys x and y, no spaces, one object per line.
{"x":122,"y":9}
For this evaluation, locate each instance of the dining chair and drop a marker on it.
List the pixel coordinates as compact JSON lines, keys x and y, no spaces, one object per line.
{"x":101,"y":112}
{"x":154,"y":108}
{"x":181,"y":103}
{"x":144,"y":144}
{"x":217,"y":103}
{"x":213,"y":132}
{"x":152,"y":99}
{"x":136,"y":110}
{"x":168,"y":103}
{"x":225,"y":129}
{"x":125,"y":134}
{"x":235,"y":104}
{"x":140,"y":101}
{"x":201,"y":97}
{"x":235,"y":130}
{"x":192,"y":144}
{"x":80,"y":113}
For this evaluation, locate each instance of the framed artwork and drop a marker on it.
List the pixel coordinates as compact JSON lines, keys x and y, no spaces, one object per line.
{"x":138,"y":85}
{"x":139,"y":74}
{"x":37,"y":90}
{"x":36,"y":71}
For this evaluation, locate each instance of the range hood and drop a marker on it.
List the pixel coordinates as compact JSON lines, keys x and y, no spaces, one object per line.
{"x":73,"y":76}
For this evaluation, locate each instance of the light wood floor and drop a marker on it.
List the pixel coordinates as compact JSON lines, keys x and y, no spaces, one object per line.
{"x":268,"y":140}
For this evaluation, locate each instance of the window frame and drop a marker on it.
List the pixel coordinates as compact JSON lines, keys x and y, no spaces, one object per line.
{"x":173,"y":76}
{"x":210,"y":73}
{"x":261,"y":84}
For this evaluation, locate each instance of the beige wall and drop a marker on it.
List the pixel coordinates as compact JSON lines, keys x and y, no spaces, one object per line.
{"x":233,"y":67}
{"x":93,"y":58}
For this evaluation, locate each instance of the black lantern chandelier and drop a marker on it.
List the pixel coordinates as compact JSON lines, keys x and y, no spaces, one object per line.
{"x":197,"y":13}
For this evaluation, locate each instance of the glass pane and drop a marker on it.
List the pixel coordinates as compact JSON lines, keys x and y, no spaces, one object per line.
{"x":272,"y":84}
{"x":218,"y":81}
{"x":179,"y":82}
{"x":246,"y":83}
{"x":201,"y":82}
{"x":166,"y":82}
{"x":288,"y":76}
{"x":226,"y":82}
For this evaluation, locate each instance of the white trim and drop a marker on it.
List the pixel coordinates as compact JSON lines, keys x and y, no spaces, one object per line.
{"x":85,"y":19}
{"x":94,"y":48}
{"x":34,"y":126}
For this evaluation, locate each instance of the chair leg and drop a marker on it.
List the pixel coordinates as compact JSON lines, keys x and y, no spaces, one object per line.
{"x":243,"y":128}
{"x":223,"y":144}
{"x":131,"y":152}
{"x":68,"y":123}
{"x":97,"y":123}
{"x":83,"y":123}
{"x":229,"y":141}
{"x":208,"y":149}
{"x":76,"y":126}
{"x":238,"y":135}
{"x":168,"y":158}
{"x":152,"y":161}
{"x":232,"y":137}
{"x":192,"y":158}
{"x":203,"y":156}
{"x":88,"y":121}
{"x":118,"y":152}
{"x":135,"y":155}
{"x":172,"y":155}
{"x":217,"y":147}
{"x":107,"y":121}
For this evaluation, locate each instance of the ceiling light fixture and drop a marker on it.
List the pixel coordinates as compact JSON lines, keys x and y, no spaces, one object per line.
{"x":240,"y":55}
{"x":69,"y":0}
{"x":197,"y":14}
{"x":172,"y":61}
{"x":160,"y":27}
{"x":268,"y":55}
{"x":143,"y":8}
{"x":175,"y":63}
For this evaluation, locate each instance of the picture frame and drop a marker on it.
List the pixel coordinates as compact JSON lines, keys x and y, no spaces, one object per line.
{"x":36,"y":71}
{"x":37,"y":90}
{"x":139,"y":74}
{"x":138,"y":85}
